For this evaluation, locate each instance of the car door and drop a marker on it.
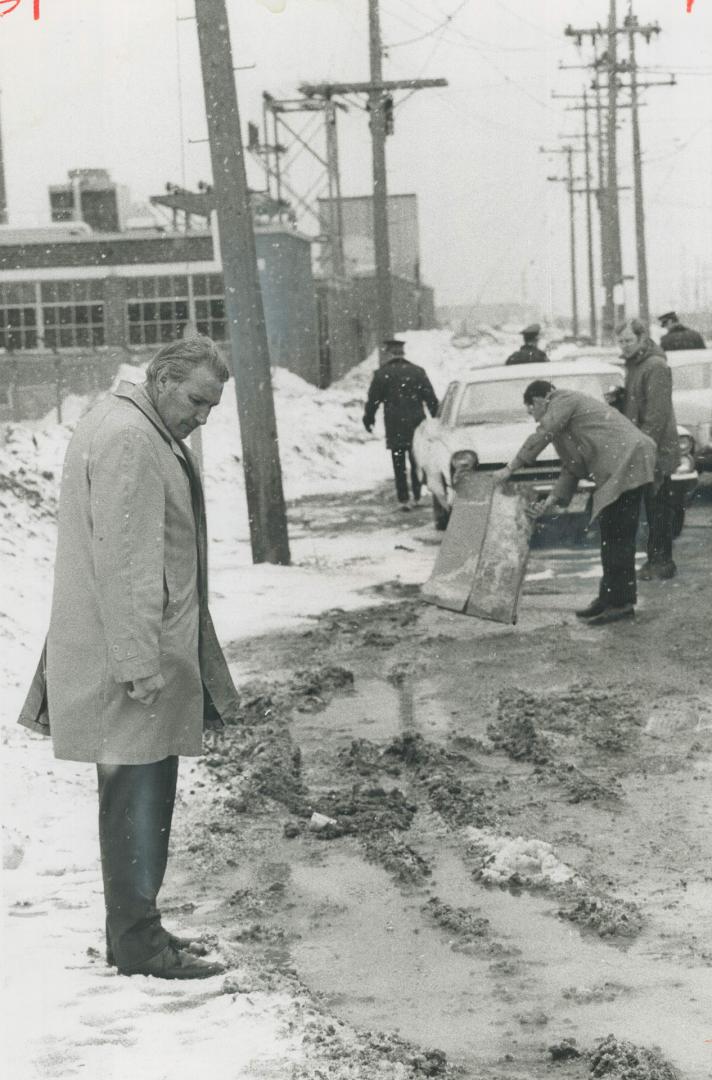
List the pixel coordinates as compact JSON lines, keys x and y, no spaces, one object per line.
{"x":428,"y":434}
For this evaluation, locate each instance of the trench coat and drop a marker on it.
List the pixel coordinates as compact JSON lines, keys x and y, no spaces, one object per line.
{"x":594,"y":441}
{"x":130,"y":597}
{"x":648,"y":403}
{"x":403,"y":389}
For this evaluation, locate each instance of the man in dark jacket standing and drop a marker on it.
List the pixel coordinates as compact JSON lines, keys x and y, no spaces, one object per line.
{"x":403,"y":389}
{"x":648,"y":403}
{"x":530,"y":353}
{"x":677,"y":336}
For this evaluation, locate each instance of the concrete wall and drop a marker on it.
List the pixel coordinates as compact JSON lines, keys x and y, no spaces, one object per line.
{"x":289,"y":299}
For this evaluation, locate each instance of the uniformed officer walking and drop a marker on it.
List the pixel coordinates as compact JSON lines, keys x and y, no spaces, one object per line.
{"x":403,"y":389}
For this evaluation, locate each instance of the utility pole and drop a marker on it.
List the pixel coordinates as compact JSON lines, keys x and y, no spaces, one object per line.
{"x":593,"y":321}
{"x":608,"y":203}
{"x":633,"y":27}
{"x":243,"y":298}
{"x":380,"y":102}
{"x":614,"y":311}
{"x":586,"y":107}
{"x":3,"y":194}
{"x":569,"y":181}
{"x":611,"y":258}
{"x":640,"y":253}
{"x":381,"y":242}
{"x":334,"y":172}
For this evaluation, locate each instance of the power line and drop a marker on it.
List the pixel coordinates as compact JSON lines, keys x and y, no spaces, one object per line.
{"x":428,"y":33}
{"x":471,"y":43}
{"x":520,"y":18}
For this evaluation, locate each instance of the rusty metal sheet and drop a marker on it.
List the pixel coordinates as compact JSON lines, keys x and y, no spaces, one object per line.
{"x":482,"y":560}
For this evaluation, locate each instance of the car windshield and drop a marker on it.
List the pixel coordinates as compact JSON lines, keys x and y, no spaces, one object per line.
{"x":503,"y":402}
{"x":692,"y":377}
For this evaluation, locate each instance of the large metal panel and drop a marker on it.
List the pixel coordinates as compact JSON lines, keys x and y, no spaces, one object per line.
{"x":482,"y":560}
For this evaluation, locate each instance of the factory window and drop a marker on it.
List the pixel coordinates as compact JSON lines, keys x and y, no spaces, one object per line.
{"x":209,"y":300}
{"x":18,"y":316}
{"x":158,"y":309}
{"x":73,"y":314}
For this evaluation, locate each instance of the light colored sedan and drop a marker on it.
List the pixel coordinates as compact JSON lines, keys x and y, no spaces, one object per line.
{"x":692,"y":400}
{"x":482,"y":422}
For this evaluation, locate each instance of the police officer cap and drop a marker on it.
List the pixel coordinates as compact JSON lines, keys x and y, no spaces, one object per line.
{"x":532,"y":330}
{"x":394,"y":344}
{"x":669,"y":316}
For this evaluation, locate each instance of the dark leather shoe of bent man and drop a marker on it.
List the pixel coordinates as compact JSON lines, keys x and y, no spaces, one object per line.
{"x":596,"y":607}
{"x":172,"y":963}
{"x":657,"y":571}
{"x":612,"y":614}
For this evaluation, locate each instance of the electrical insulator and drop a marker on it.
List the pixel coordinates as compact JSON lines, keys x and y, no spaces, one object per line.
{"x":388,"y":114}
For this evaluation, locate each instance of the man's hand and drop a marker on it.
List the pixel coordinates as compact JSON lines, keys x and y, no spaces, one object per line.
{"x":501,"y":476}
{"x":146,"y":690}
{"x":539,"y":509}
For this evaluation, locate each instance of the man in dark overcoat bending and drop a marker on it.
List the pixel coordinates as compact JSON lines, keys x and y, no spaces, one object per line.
{"x":403,"y":389}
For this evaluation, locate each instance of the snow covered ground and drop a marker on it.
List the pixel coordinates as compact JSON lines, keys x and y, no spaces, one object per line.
{"x":65,"y":1013}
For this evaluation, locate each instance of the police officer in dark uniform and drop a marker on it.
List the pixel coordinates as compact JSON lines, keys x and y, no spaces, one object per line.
{"x":677,"y":336}
{"x":529,"y":353}
{"x":403,"y":389}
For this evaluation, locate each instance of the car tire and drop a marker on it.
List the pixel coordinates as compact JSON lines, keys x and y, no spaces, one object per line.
{"x":441,"y":515}
{"x":678,"y":520}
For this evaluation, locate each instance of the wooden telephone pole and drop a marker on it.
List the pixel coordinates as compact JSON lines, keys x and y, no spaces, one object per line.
{"x":588,"y":190}
{"x":380,"y":105}
{"x":571,"y":190}
{"x":243,"y":297}
{"x":608,"y":65}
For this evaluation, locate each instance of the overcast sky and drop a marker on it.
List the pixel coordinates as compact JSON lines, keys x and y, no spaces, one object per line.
{"x":117,"y":85}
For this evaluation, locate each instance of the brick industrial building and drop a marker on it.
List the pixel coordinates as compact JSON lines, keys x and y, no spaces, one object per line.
{"x":90,"y":285}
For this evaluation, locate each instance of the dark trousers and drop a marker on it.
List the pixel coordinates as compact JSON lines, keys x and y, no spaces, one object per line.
{"x":401,"y":475}
{"x":619,"y":524}
{"x":659,"y":512}
{"x":135,"y":813}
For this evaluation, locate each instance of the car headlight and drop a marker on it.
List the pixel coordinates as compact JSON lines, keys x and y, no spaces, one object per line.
{"x":687,"y":444}
{"x":462,"y":461}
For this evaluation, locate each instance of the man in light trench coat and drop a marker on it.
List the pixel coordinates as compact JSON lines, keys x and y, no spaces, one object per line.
{"x":133,"y":671}
{"x":593,"y":440}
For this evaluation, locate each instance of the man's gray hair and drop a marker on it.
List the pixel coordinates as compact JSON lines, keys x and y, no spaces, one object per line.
{"x":637,"y":326}
{"x":180,"y":358}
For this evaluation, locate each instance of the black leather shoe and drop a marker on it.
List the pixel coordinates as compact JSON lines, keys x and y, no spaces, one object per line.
{"x":596,"y":607}
{"x":186,"y":944}
{"x":612,"y":614}
{"x":657,"y":571}
{"x":172,"y":963}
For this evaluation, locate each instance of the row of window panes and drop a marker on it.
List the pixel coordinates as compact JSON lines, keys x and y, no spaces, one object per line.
{"x":64,"y":327}
{"x":54,"y":292}
{"x":162,"y":288}
{"x":18,"y":328}
{"x":168,"y":288}
{"x":74,"y":324}
{"x":162,"y":321}
{"x":208,"y":285}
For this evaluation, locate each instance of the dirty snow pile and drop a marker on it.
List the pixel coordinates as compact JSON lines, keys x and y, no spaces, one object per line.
{"x":514,"y":859}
